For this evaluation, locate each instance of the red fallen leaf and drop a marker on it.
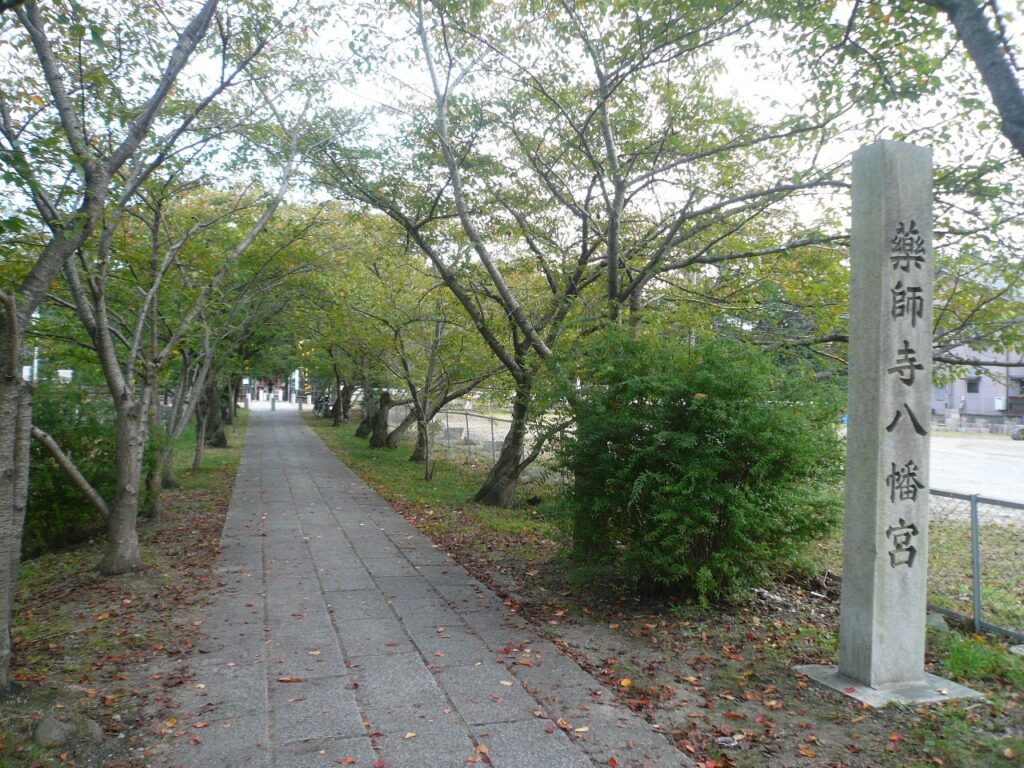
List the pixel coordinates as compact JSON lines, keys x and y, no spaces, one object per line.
{"x":613,"y":762}
{"x":195,"y":741}
{"x":734,"y":715}
{"x":761,"y":719}
{"x":289,"y":680}
{"x":391,"y":643}
{"x":346,"y":760}
{"x":851,"y":689}
{"x":380,"y":763}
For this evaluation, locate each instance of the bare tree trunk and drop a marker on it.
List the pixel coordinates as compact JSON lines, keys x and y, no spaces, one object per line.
{"x":379,"y":428}
{"x":168,"y":480}
{"x":154,"y":509}
{"x":339,"y":387}
{"x":214,"y":434}
{"x":346,"y":401}
{"x":419,"y":453}
{"x":369,"y":413}
{"x":122,"y":555}
{"x":228,"y":407}
{"x":65,"y":463}
{"x":197,"y":456}
{"x":499,"y":488}
{"x":16,"y":418}
{"x":395,"y":435}
{"x":336,"y":407}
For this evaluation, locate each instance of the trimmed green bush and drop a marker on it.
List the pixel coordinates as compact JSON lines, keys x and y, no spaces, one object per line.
{"x":696,"y":468}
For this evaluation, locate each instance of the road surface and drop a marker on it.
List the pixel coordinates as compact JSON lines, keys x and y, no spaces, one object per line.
{"x":988,"y":466}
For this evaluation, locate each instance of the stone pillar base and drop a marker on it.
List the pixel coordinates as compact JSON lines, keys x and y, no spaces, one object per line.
{"x":933,"y":690}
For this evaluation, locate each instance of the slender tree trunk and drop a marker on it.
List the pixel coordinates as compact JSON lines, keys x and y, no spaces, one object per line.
{"x":369,"y":414}
{"x":168,"y":480}
{"x":213,"y":434}
{"x":395,"y":435}
{"x":419,"y":453}
{"x":228,"y":407}
{"x":336,"y":411}
{"x":197,"y":456}
{"x":155,"y":508}
{"x":499,"y":488}
{"x":16,"y":421}
{"x":379,"y":428}
{"x":122,"y":555}
{"x":346,"y":401}
{"x":233,"y":405}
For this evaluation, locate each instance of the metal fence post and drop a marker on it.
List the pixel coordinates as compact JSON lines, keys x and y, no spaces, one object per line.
{"x":975,"y":563}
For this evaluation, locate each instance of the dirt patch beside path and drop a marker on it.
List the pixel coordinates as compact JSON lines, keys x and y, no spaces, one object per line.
{"x":104,"y":654}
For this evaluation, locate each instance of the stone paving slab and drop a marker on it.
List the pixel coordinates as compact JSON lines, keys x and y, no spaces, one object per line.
{"x":338,"y":631}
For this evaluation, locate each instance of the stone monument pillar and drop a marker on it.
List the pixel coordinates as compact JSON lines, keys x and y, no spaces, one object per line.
{"x":885,"y":539}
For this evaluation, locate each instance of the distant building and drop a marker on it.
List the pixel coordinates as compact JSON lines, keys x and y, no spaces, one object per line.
{"x":993,"y":394}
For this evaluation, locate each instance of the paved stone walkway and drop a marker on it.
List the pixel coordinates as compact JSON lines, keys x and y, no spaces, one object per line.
{"x":342,"y":636}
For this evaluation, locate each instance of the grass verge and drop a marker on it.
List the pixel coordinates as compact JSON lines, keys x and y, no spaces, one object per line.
{"x":441,"y":505}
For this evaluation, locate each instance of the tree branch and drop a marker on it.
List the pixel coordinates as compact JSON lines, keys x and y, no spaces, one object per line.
{"x":71,"y":470}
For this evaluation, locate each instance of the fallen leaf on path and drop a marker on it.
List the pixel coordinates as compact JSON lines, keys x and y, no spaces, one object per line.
{"x":289,"y":679}
{"x":346,"y":760}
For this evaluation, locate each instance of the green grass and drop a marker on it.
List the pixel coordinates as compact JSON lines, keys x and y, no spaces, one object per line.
{"x":216,"y":463}
{"x":974,"y":659}
{"x":448,"y":491}
{"x":949,"y":569}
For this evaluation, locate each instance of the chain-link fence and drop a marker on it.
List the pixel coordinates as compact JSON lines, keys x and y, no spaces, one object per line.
{"x":473,"y":437}
{"x":976,"y":561}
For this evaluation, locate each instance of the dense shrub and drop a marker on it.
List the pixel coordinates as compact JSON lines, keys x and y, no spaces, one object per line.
{"x":58,"y":514}
{"x":697,"y":467}
{"x":82,"y":423}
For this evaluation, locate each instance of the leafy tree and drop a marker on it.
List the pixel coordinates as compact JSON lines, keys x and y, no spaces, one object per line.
{"x":71,"y":131}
